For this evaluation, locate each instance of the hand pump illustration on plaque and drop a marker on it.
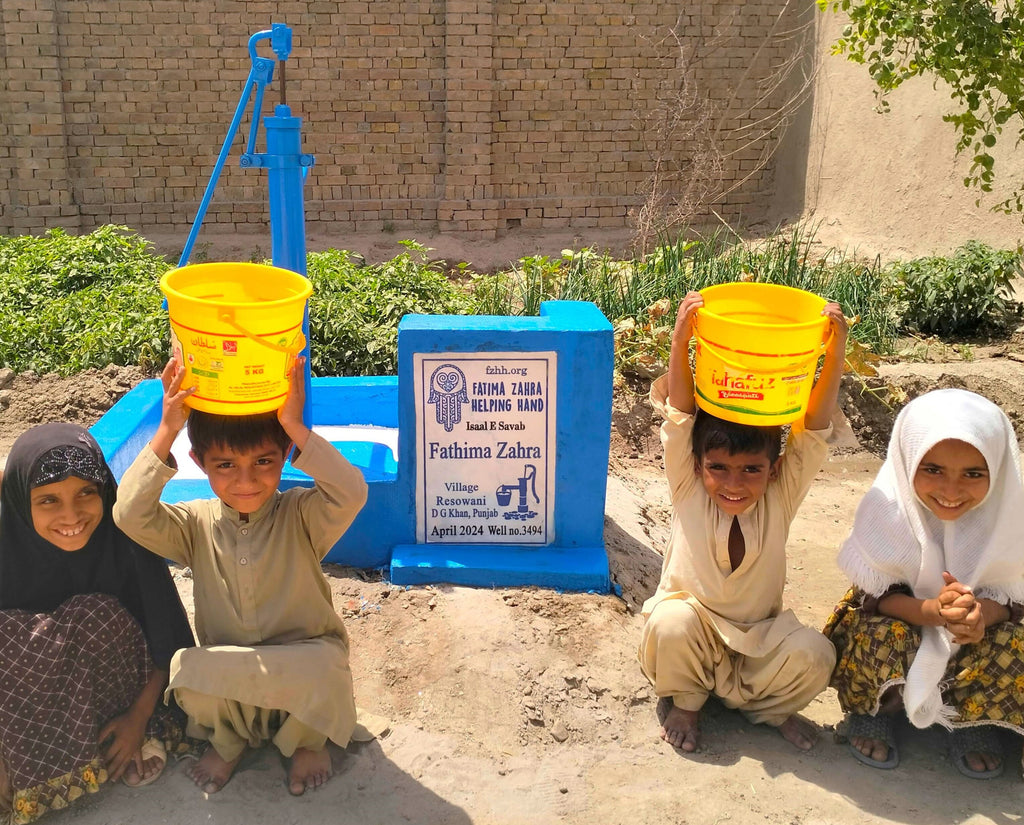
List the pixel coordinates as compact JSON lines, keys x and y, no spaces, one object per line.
{"x":504,"y":495}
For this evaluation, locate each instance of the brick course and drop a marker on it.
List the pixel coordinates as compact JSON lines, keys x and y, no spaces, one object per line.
{"x":465,"y":116}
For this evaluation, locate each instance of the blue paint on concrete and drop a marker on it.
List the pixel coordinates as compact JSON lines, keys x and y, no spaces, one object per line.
{"x":491,"y":565}
{"x":582,"y":338}
{"x":384,"y":532}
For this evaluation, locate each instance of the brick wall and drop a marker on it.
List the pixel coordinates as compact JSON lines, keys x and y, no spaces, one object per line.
{"x":474,"y":116}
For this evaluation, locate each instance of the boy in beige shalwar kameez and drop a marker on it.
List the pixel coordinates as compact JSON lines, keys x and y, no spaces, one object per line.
{"x":716,"y":623}
{"x":273,"y":662}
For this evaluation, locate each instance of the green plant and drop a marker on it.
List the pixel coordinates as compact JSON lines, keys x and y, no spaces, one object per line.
{"x":355,"y":310}
{"x":969,"y":291}
{"x":639,"y":296}
{"x":68,"y":303}
{"x":72,"y":302}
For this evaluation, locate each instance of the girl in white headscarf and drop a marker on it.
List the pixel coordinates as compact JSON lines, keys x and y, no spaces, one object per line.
{"x":931,"y":625}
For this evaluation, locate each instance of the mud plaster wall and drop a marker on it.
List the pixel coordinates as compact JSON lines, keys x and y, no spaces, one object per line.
{"x":479,"y":116}
{"x":891,"y":178}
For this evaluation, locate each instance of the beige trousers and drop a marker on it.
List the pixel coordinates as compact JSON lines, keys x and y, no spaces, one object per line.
{"x":684,"y":658}
{"x":230,"y":726}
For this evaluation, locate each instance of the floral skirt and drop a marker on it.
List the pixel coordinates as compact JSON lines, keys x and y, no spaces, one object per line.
{"x":63,"y":676}
{"x":984,"y":682}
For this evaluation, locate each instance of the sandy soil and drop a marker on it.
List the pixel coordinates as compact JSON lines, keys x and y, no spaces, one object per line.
{"x":515,"y":706}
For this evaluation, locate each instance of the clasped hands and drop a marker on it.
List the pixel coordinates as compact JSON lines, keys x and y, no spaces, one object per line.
{"x":961,"y":611}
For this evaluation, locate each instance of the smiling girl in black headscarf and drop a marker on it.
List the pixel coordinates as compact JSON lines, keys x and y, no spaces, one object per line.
{"x":88,"y":624}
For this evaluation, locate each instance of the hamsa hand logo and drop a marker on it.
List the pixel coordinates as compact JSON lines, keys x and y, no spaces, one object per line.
{"x":448,"y":394}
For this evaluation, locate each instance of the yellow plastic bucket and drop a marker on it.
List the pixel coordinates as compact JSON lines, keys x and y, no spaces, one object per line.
{"x":236,"y":328}
{"x":757,"y":351}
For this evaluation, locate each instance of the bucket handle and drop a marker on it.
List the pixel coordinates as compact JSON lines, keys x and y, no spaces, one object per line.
{"x":228,"y":318}
{"x":743,"y":368}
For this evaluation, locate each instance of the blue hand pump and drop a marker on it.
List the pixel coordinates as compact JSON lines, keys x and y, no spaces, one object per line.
{"x":286,"y":167}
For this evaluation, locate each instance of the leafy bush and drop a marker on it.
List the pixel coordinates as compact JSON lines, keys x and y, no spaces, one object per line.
{"x":68,"y":303}
{"x":72,"y":302}
{"x":971,"y":290}
{"x":355,"y":310}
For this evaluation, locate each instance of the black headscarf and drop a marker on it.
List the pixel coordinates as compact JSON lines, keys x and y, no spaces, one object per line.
{"x":38,"y":576}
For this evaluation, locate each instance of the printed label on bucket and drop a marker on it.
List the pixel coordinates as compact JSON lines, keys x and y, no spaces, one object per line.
{"x":745,"y":386}
{"x":752,"y":396}
{"x":235,"y":375}
{"x":749,"y":396}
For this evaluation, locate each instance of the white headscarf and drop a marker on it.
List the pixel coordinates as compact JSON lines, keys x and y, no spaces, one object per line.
{"x":896,"y":539}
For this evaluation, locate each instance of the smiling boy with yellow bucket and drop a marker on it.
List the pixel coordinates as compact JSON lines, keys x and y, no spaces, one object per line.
{"x":716,"y":623}
{"x":272,"y":665}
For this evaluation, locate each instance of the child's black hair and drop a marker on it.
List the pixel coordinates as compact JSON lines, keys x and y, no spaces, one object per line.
{"x":713,"y":433}
{"x":236,"y":432}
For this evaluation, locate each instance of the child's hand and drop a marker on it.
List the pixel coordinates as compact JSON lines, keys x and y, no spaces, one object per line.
{"x":688,"y":307}
{"x":174,"y":412}
{"x":960,"y":610}
{"x":838,"y":326}
{"x":290,"y":412}
{"x":971,"y":629}
{"x":123,"y":736}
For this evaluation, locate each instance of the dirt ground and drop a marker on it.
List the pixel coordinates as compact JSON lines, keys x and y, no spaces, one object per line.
{"x":523,"y":705}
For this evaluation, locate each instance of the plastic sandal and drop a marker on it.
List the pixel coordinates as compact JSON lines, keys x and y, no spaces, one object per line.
{"x":878,"y":727}
{"x":976,"y":739}
{"x":151,"y":747}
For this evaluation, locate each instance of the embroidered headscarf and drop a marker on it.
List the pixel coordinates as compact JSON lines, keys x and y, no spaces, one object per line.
{"x":37,"y":575}
{"x":896,"y":539}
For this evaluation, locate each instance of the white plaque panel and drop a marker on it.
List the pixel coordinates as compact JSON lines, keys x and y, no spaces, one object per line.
{"x":485,"y":447}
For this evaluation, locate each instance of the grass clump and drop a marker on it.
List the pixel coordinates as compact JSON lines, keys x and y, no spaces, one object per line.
{"x":640,"y":296}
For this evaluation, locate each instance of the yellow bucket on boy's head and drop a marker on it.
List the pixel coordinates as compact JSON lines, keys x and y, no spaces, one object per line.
{"x":236,"y":328}
{"x":757,"y":352}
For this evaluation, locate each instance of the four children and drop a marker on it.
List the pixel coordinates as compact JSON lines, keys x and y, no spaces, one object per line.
{"x":931,"y":626}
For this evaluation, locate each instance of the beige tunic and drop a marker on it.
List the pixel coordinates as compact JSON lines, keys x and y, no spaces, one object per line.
{"x":742,"y":607}
{"x":264,"y":613}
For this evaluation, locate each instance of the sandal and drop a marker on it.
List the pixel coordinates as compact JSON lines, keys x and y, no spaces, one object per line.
{"x":150,"y":748}
{"x":878,"y":727}
{"x":976,"y":739}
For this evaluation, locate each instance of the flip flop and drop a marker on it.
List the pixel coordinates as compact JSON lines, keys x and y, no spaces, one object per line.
{"x":976,"y":739}
{"x":150,"y":748}
{"x":878,"y":727}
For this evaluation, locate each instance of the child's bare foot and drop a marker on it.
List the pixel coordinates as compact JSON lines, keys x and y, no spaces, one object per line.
{"x":799,"y":732}
{"x":309,"y":770}
{"x":211,"y":772}
{"x":680,"y":728}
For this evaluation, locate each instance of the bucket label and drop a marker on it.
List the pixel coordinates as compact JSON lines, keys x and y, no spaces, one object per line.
{"x":751,"y":382}
{"x":234,"y":375}
{"x":762,"y":391}
{"x":485,"y":447}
